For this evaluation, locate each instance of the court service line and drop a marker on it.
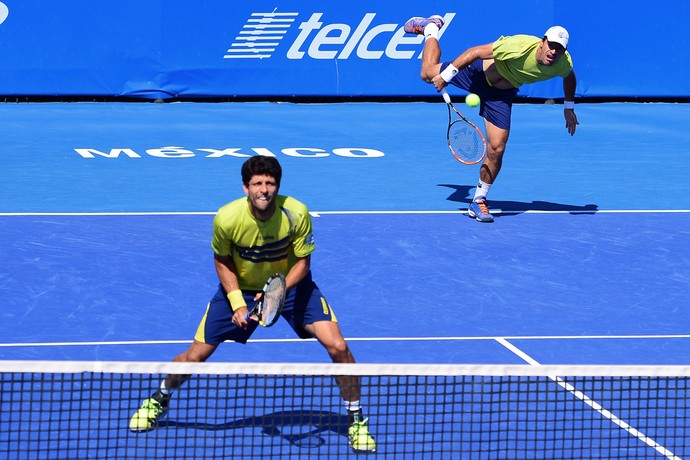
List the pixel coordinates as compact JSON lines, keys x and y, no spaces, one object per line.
{"x":355,"y":339}
{"x":593,"y":404}
{"x":507,"y":211}
{"x":319,"y":213}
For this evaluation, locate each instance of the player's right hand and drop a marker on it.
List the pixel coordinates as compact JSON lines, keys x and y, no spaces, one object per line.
{"x":439,"y":82}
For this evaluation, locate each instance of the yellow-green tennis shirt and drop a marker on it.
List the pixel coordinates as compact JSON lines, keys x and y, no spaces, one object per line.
{"x":516,"y":61}
{"x":261,"y":249}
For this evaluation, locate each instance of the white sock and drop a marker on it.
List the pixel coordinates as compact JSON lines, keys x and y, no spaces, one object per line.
{"x":164,"y":390}
{"x":482,"y":190}
{"x":352,"y":406}
{"x":431,"y":31}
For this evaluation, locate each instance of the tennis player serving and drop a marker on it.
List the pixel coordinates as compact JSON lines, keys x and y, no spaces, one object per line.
{"x":254,"y":238}
{"x":494,"y":72}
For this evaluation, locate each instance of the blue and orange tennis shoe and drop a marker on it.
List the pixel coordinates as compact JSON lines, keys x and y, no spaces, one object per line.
{"x":416,"y":25}
{"x":479,"y":210}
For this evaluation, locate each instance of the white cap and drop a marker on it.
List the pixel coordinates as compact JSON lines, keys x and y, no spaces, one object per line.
{"x":557,"y":34}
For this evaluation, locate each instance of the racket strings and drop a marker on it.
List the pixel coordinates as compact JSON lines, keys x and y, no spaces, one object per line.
{"x":465,"y":142}
{"x":273,"y":299}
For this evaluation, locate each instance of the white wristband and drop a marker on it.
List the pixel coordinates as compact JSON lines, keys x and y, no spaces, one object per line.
{"x":568,"y":105}
{"x":448,"y":73}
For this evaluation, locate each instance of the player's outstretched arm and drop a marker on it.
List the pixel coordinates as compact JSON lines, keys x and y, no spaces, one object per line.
{"x":569,"y":85}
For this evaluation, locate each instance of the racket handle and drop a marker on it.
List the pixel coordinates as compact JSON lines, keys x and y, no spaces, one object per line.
{"x":445,"y":95}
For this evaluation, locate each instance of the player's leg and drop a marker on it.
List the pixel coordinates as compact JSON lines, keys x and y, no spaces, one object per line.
{"x":496,"y":140}
{"x":197,"y":352}
{"x":310,"y":315}
{"x":214,"y":328}
{"x":496,"y":110}
{"x":431,"y":55}
{"x":154,"y":408}
{"x":430,"y":60}
{"x":329,"y":335}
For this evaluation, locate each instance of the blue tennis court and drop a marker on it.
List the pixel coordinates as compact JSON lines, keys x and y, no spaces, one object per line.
{"x":106,"y":218}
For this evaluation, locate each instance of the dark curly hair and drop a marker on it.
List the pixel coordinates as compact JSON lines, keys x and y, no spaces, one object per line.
{"x":261,"y":165}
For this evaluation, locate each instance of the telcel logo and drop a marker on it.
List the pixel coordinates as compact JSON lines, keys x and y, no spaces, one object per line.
{"x":263,"y":32}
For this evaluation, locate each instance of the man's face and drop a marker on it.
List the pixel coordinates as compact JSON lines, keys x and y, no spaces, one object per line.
{"x":261,"y":191}
{"x":549,"y":52}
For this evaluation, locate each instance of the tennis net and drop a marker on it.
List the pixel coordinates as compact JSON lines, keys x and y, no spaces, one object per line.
{"x":74,"y":410}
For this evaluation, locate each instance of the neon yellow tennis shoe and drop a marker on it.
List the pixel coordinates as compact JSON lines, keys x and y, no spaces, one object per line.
{"x":359,"y":438}
{"x":150,"y":412}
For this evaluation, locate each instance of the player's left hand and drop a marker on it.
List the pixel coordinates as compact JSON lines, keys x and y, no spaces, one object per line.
{"x":570,"y":120}
{"x":238,"y":318}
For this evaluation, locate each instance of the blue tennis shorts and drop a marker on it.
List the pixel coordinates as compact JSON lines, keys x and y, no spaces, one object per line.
{"x":496,"y":104}
{"x":304,"y":305}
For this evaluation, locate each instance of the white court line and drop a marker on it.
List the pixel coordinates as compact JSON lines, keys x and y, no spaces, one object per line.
{"x":142,"y":213}
{"x":593,"y":404}
{"x":355,"y":339}
{"x":531,"y":211}
{"x":318,"y":213}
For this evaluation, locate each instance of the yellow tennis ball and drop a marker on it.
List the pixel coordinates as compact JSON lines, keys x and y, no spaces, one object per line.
{"x":472,"y":100}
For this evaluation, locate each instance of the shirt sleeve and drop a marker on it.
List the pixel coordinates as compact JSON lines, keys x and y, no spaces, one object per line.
{"x":303,"y":236}
{"x":220,"y":242}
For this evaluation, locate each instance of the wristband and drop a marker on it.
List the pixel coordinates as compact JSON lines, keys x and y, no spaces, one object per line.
{"x":568,"y":105}
{"x":236,"y":300}
{"x":448,"y":73}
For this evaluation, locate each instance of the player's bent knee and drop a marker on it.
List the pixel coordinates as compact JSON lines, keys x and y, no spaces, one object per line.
{"x":339,"y":352}
{"x":196,"y":353}
{"x":496,"y":151}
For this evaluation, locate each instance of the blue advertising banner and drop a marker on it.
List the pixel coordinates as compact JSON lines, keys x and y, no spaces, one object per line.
{"x":213,"y":48}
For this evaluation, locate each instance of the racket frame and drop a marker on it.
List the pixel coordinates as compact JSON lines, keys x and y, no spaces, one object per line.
{"x":256,"y":310}
{"x":462,"y":119}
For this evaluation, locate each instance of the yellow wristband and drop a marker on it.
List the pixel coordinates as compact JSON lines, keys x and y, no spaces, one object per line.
{"x":236,"y":300}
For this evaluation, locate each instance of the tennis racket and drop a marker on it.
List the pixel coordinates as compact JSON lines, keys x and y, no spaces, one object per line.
{"x":465,"y":141}
{"x":270,"y":303}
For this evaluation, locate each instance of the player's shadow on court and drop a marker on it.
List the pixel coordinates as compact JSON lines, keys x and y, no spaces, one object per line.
{"x":461,"y":194}
{"x":299,"y":427}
